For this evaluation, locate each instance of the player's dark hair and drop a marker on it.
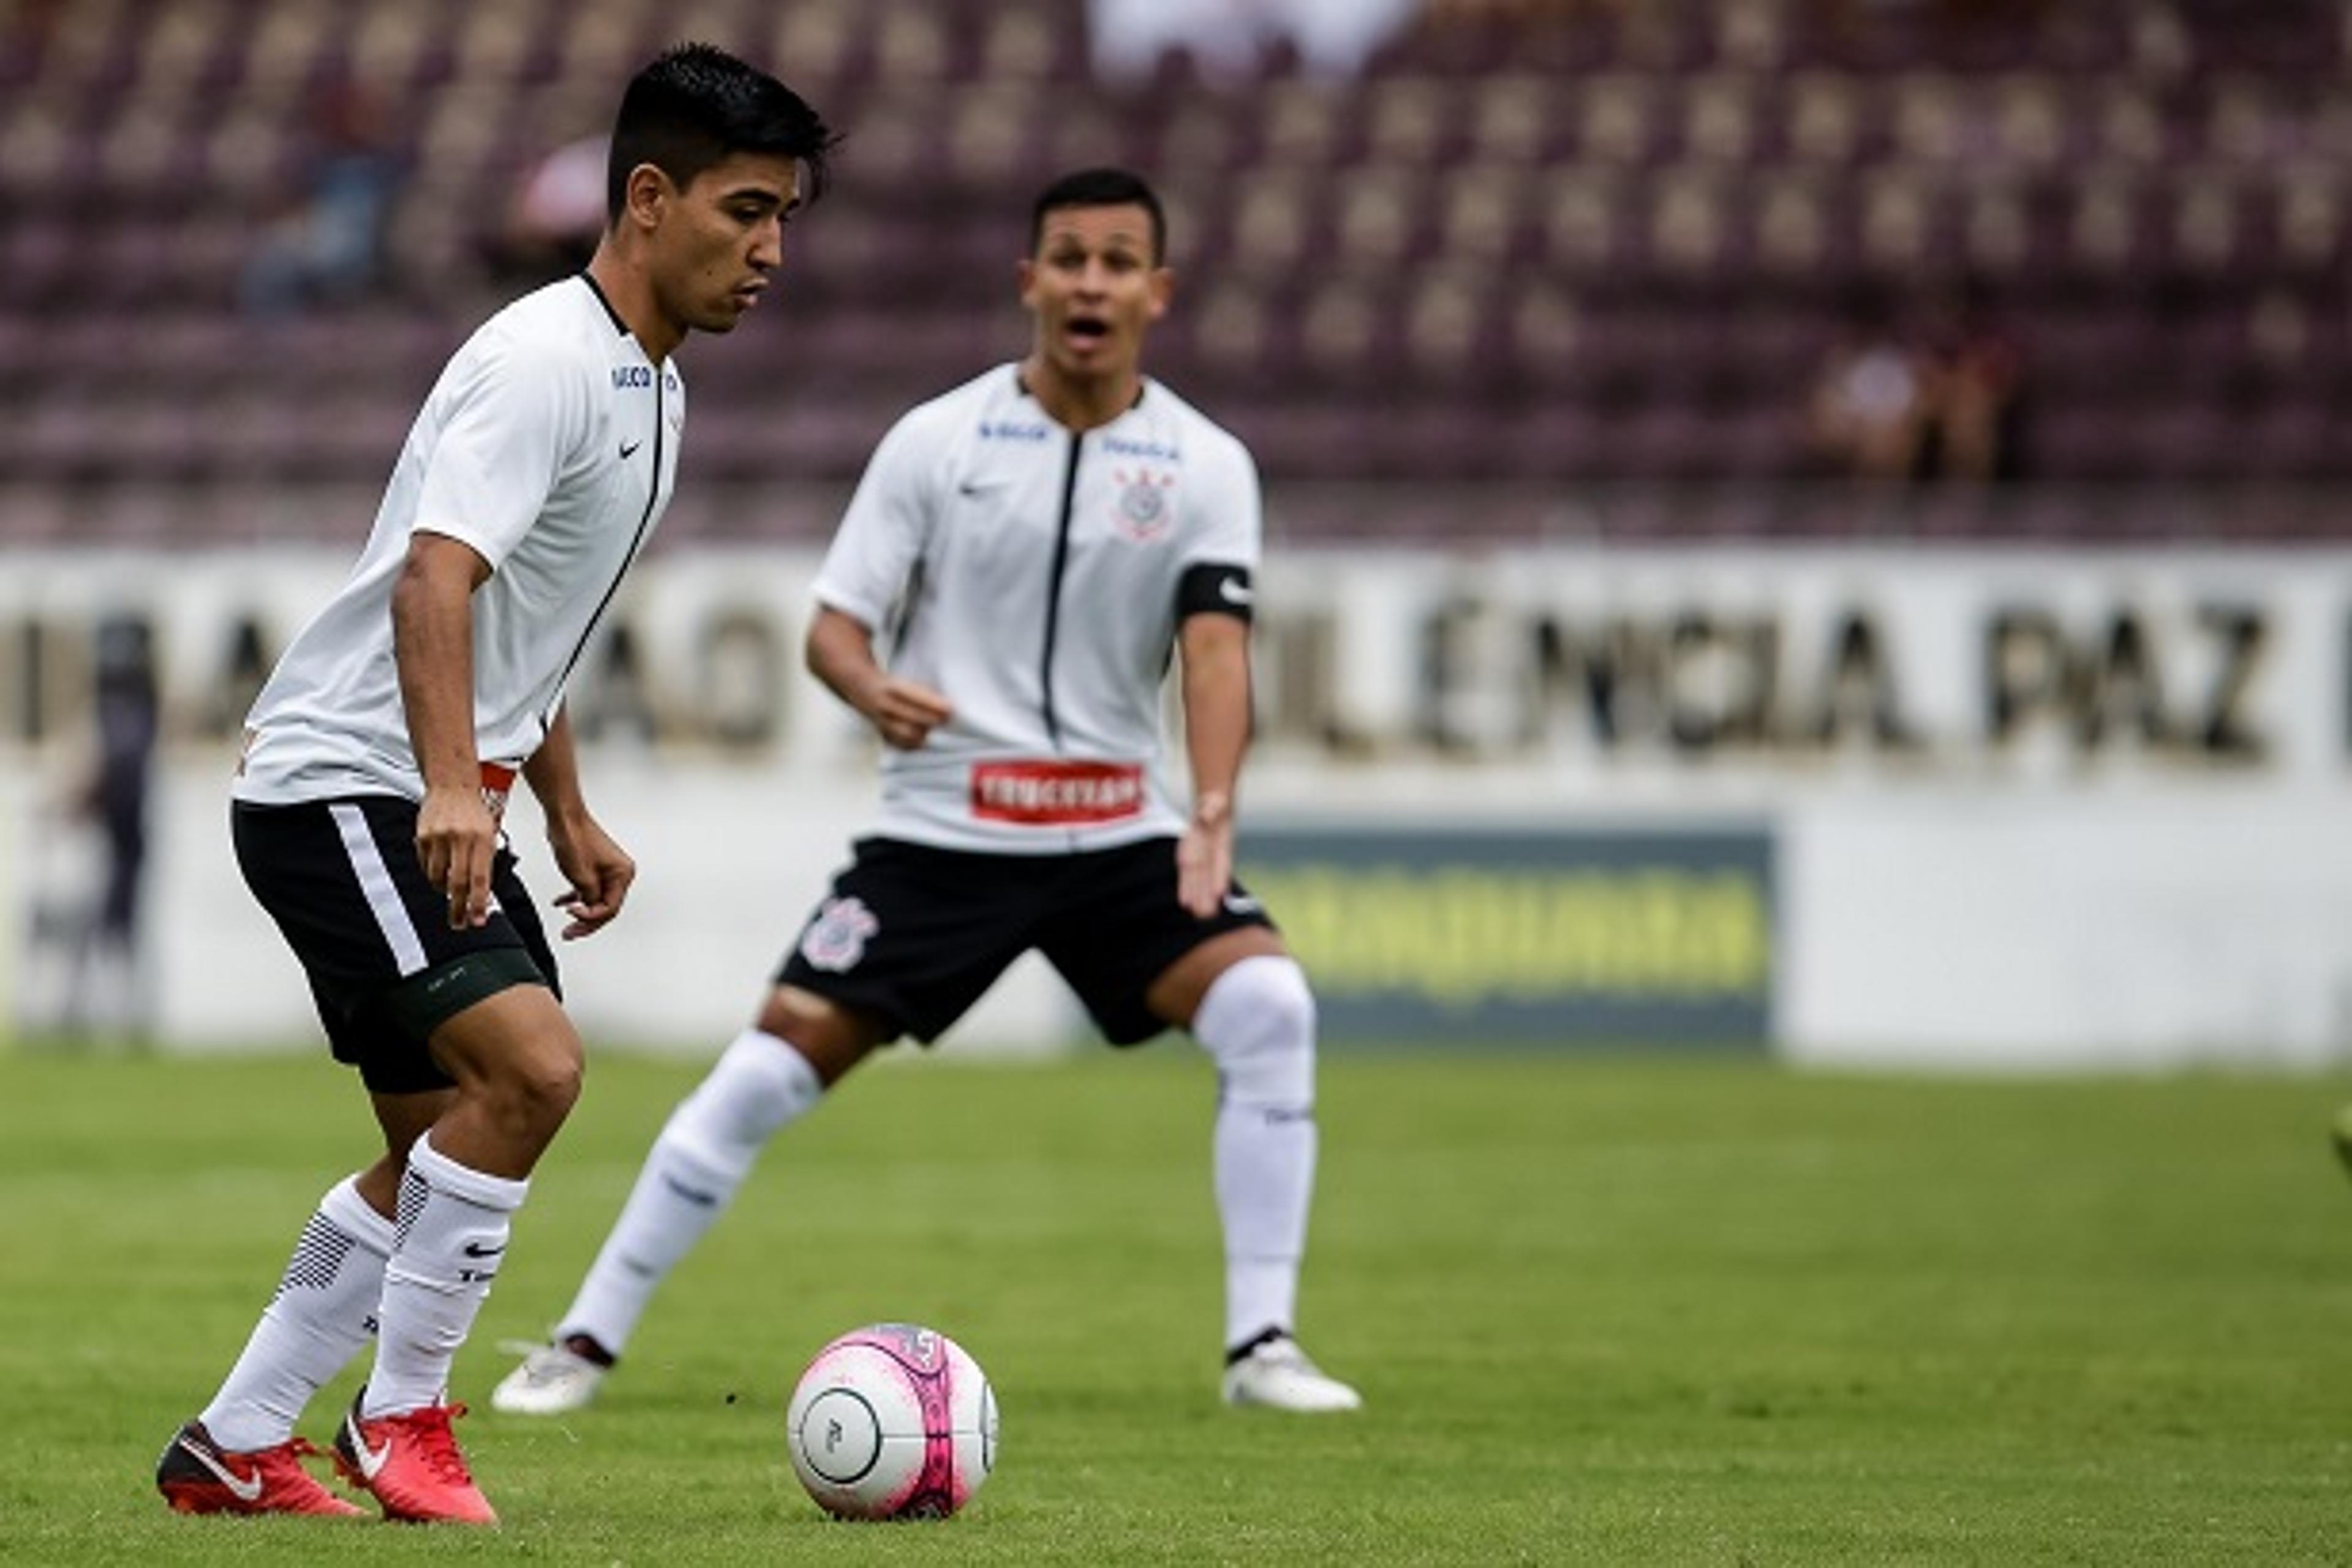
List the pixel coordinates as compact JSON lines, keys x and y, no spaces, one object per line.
{"x":1100,"y":188}
{"x":697,"y":105}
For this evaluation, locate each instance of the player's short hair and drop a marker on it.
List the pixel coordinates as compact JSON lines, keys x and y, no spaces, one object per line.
{"x":1100,"y":188}
{"x":696,"y":105}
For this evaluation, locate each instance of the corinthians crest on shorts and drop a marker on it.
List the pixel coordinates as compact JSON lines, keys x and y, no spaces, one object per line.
{"x":836,"y":940}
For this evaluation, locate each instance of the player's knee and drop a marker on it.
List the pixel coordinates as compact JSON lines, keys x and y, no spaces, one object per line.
{"x":1257,"y":1023}
{"x":534,"y":1090}
{"x":830,"y":1037}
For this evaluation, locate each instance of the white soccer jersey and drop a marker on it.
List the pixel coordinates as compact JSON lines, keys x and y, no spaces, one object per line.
{"x":1031,"y":574}
{"x":549,"y":445}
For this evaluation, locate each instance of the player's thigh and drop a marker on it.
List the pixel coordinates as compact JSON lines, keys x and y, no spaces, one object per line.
{"x":1136,"y":956}
{"x":342,"y":882}
{"x":1175,"y":994}
{"x":908,"y":936}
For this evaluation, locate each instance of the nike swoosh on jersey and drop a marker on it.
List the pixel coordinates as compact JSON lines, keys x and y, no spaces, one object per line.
{"x":248,"y":1489}
{"x":981,"y":487}
{"x":629,"y":449}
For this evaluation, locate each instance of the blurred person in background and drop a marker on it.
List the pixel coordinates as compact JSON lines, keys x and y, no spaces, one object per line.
{"x":1977,"y":383}
{"x":1867,"y":416}
{"x":370,"y":797}
{"x":554,"y":215}
{"x":1032,"y":550}
{"x":106,"y":985}
{"x":328,"y":246}
{"x":1231,"y":40}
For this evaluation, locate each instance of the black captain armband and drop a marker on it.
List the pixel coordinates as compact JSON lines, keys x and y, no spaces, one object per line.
{"x":1214,"y":589}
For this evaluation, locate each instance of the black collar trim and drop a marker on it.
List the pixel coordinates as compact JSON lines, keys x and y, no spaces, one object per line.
{"x":619,"y":325}
{"x":1020,"y":382}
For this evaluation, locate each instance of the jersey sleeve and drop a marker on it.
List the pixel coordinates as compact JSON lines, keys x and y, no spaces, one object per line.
{"x":883,"y":532}
{"x":514,"y":418}
{"x":1229,"y":515}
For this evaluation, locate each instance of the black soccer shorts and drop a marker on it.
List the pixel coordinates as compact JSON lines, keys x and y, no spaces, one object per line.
{"x":914,"y":934}
{"x":342,"y":879}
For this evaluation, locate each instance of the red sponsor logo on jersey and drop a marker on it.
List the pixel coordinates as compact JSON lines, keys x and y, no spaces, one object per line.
{"x":1056,"y":795}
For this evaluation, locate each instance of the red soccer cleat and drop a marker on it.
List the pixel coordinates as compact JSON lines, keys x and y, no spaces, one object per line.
{"x":196,"y":1475}
{"x":411,"y":1463}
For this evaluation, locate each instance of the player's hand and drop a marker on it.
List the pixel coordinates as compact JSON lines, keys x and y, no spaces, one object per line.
{"x":905,"y":712}
{"x":599,"y":871}
{"x":1204,"y":865}
{"x":456,"y":841}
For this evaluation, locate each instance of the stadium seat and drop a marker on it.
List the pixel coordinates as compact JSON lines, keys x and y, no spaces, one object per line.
{"x":1618,"y":234}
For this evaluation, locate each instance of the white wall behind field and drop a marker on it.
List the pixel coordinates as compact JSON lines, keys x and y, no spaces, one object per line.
{"x":2033,"y":809}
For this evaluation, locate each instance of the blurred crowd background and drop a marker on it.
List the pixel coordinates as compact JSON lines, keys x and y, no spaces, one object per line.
{"x":2003,"y":266}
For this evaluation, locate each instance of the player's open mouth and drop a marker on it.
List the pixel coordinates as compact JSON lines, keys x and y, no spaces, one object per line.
{"x":1086,"y":330}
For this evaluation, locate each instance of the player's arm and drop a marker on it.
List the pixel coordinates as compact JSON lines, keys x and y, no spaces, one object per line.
{"x":433,"y":650}
{"x":869,"y":567}
{"x":598,"y":869}
{"x":1214,"y":639}
{"x":516,"y":412}
{"x":841,"y":653}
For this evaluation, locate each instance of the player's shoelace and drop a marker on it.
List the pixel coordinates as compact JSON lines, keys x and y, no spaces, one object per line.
{"x":299,"y":1448}
{"x":436,"y":1444}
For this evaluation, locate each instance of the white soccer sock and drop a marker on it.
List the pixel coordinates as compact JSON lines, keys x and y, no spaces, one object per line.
{"x":704,"y":1153}
{"x":1257,"y":1022}
{"x":323,"y":1313}
{"x":450,"y":1236}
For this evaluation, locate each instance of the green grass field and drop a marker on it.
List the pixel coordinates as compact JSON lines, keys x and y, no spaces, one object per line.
{"x":1604,"y":1311}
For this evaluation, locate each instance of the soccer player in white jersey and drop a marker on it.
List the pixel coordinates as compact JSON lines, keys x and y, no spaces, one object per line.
{"x":1030,"y":549}
{"x":377,"y":761}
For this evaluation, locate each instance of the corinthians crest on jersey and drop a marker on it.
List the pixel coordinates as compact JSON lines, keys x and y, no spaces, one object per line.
{"x":1144,"y":508}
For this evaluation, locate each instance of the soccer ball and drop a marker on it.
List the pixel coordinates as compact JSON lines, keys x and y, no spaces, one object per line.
{"x":892,"y":1421}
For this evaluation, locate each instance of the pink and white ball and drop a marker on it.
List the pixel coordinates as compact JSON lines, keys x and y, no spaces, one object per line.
{"x":892,"y":1421}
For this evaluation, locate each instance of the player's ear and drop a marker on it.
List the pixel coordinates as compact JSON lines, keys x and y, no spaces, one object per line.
{"x":1026,"y":272}
{"x":643,"y":197}
{"x":1163,"y":290}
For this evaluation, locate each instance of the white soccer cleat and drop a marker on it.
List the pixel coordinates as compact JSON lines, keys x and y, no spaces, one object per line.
{"x":1274,"y":1373}
{"x":551,"y":1380}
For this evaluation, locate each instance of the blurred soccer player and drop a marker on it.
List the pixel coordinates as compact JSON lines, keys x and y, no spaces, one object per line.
{"x":1031,"y":547}
{"x":376,"y":767}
